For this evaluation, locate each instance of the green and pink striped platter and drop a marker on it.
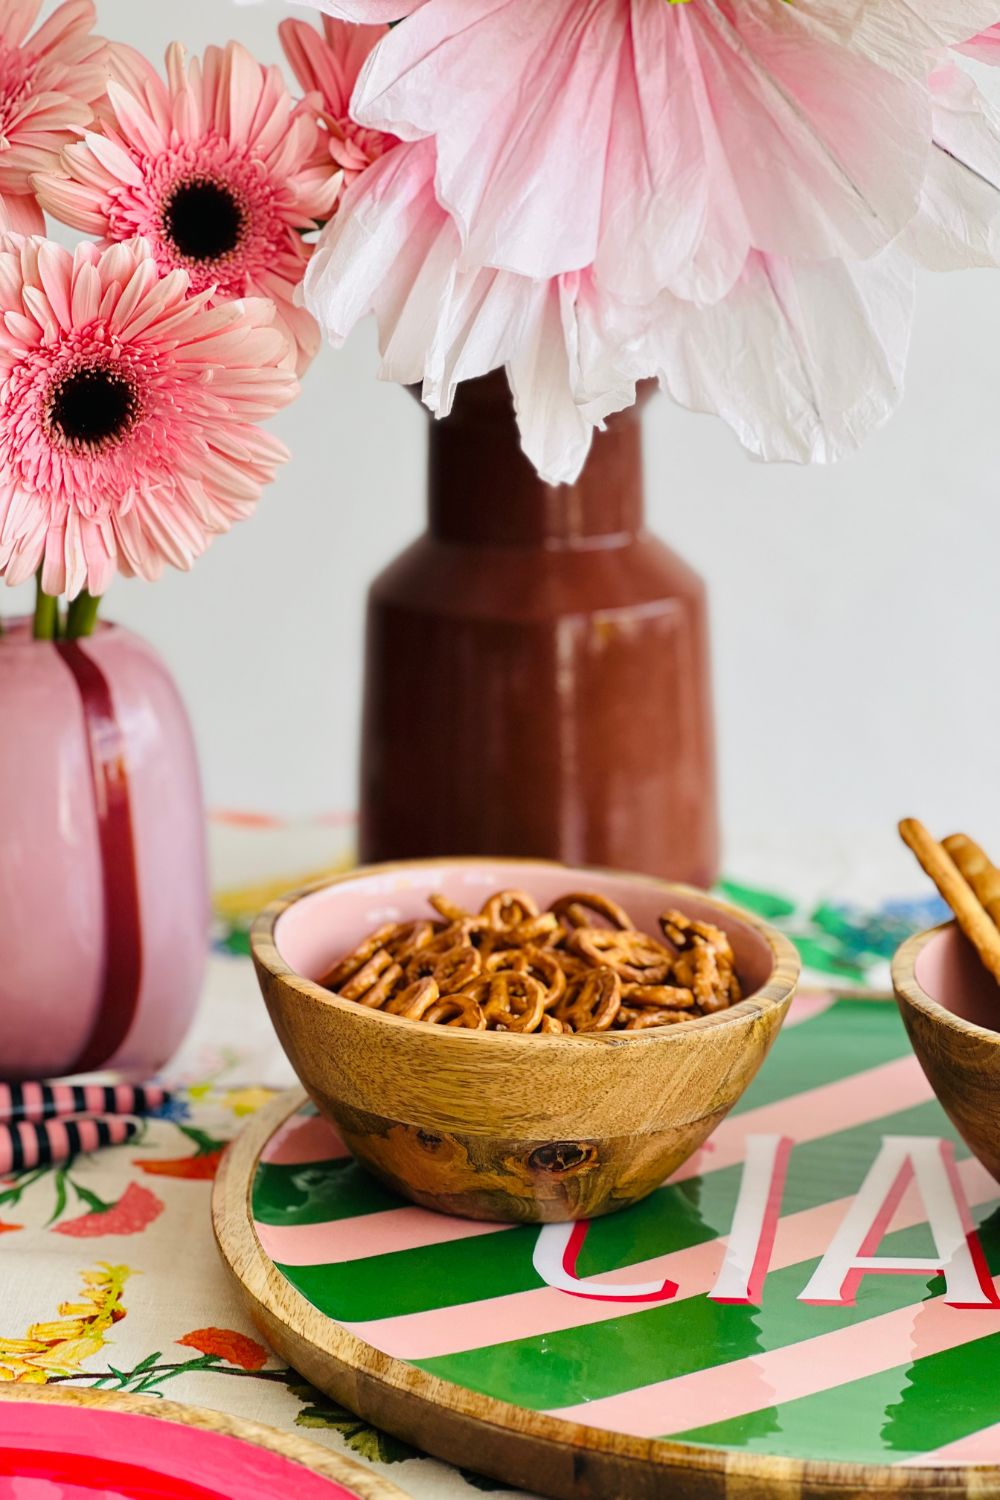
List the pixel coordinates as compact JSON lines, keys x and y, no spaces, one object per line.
{"x":817,"y":1284}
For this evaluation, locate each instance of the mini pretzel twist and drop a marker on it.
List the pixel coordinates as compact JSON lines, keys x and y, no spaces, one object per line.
{"x":364,"y":978}
{"x":416,"y":1000}
{"x":510,"y":1001}
{"x":453,"y":969}
{"x":508,"y":909}
{"x":457,"y":1010}
{"x":660,"y":996}
{"x":578,"y":908}
{"x":593,"y":1002}
{"x":358,"y":957}
{"x":645,"y":1020}
{"x":635,"y":958}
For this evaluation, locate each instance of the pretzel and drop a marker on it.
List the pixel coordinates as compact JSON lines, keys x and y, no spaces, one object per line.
{"x":591,"y":1003}
{"x":357,"y":957}
{"x":973,"y":919}
{"x":381,"y":990}
{"x":644,"y":1020}
{"x":510,"y":1001}
{"x":449,"y":909}
{"x":574,"y":909}
{"x":415,"y":1000}
{"x":662,"y":996}
{"x":408,"y":938}
{"x":635,"y":958}
{"x":457,"y":1010}
{"x":553,"y":1027}
{"x":362,"y":980}
{"x":452,"y":969}
{"x":540,"y":964}
{"x":978,"y":870}
{"x":509,"y":909}
{"x":684,"y":932}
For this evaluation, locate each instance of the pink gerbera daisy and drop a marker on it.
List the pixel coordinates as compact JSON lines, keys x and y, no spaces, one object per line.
{"x":216,"y":168}
{"x":49,"y":82}
{"x":127,"y":413}
{"x":327,"y":66}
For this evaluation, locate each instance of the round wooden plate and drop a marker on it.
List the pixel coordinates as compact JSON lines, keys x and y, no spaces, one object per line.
{"x":599,"y":1363}
{"x":62,"y":1444}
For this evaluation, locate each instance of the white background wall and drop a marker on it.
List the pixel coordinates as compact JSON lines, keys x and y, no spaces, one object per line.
{"x":857,"y":609}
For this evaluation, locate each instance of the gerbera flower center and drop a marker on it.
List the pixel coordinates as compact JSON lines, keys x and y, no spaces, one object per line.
{"x":204,"y":219}
{"x":94,"y":407}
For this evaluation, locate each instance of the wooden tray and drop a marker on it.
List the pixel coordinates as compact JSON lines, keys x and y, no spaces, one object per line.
{"x":478,"y":1342}
{"x":58,"y":1442}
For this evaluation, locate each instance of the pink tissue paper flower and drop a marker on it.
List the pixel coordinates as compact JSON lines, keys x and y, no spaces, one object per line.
{"x":216,"y":167}
{"x":327,"y":66}
{"x":127,"y":413}
{"x":729,"y":197}
{"x":49,"y":82}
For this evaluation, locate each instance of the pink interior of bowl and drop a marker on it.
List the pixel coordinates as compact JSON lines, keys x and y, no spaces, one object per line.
{"x":948,"y":969}
{"x":314,"y":933}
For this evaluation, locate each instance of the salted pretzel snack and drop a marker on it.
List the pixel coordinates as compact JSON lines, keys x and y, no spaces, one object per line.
{"x":581,"y":967}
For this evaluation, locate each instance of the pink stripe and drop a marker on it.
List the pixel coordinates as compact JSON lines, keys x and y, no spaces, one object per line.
{"x":981,"y":1447}
{"x":801,"y":1236}
{"x":120,"y":1128}
{"x":342,"y":1240}
{"x":723,"y":1392}
{"x":809,"y":1004}
{"x":58,"y":1140}
{"x":62,"y":1096}
{"x":87,"y":1129}
{"x":302,"y":1141}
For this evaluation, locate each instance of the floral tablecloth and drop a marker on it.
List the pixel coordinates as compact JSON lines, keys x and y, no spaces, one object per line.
{"x":109,"y":1273}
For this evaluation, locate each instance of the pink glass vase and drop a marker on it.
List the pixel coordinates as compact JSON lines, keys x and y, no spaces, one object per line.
{"x":103,"y":883}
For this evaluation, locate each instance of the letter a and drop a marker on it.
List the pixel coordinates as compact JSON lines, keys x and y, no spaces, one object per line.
{"x":904,"y":1159}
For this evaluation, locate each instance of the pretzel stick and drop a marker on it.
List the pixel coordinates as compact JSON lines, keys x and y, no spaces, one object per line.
{"x":971,"y":916}
{"x":982,"y":875}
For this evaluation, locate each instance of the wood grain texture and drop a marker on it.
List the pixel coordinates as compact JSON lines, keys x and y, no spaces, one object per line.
{"x":494,"y":1125}
{"x":366,"y":1484}
{"x":527,"y":1449}
{"x":961,"y":1059}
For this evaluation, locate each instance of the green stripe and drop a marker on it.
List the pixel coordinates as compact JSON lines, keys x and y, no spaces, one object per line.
{"x":602,"y":1359}
{"x":318,"y":1191}
{"x":885,"y":1418}
{"x":673,"y":1218}
{"x":851,"y":1037}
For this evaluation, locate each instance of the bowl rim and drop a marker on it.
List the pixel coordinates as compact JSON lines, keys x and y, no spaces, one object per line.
{"x":908,"y":987}
{"x":776,"y":991}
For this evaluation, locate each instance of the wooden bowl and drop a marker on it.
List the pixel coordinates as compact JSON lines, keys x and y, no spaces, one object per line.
{"x":494,"y":1125}
{"x":951,"y":1010}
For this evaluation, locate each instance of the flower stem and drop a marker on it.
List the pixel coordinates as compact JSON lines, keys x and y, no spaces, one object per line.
{"x":82,"y":615}
{"x":46,"y":625}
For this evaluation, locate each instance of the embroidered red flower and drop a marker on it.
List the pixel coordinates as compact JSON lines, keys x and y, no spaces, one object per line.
{"x":234,"y":1348}
{"x":9,"y":1228}
{"x":135,"y":1210}
{"x":200,"y":1168}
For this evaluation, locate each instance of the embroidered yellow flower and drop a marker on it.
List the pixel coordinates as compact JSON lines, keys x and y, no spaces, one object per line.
{"x":60,"y":1347}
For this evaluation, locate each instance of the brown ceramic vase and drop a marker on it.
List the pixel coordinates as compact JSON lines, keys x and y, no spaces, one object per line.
{"x":537,"y":671}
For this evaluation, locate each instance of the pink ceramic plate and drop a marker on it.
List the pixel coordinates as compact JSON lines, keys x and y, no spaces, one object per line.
{"x":84,"y":1445}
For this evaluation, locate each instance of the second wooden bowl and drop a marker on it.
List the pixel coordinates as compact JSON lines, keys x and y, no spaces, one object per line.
{"x":493,"y":1125}
{"x":951,"y":1009}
